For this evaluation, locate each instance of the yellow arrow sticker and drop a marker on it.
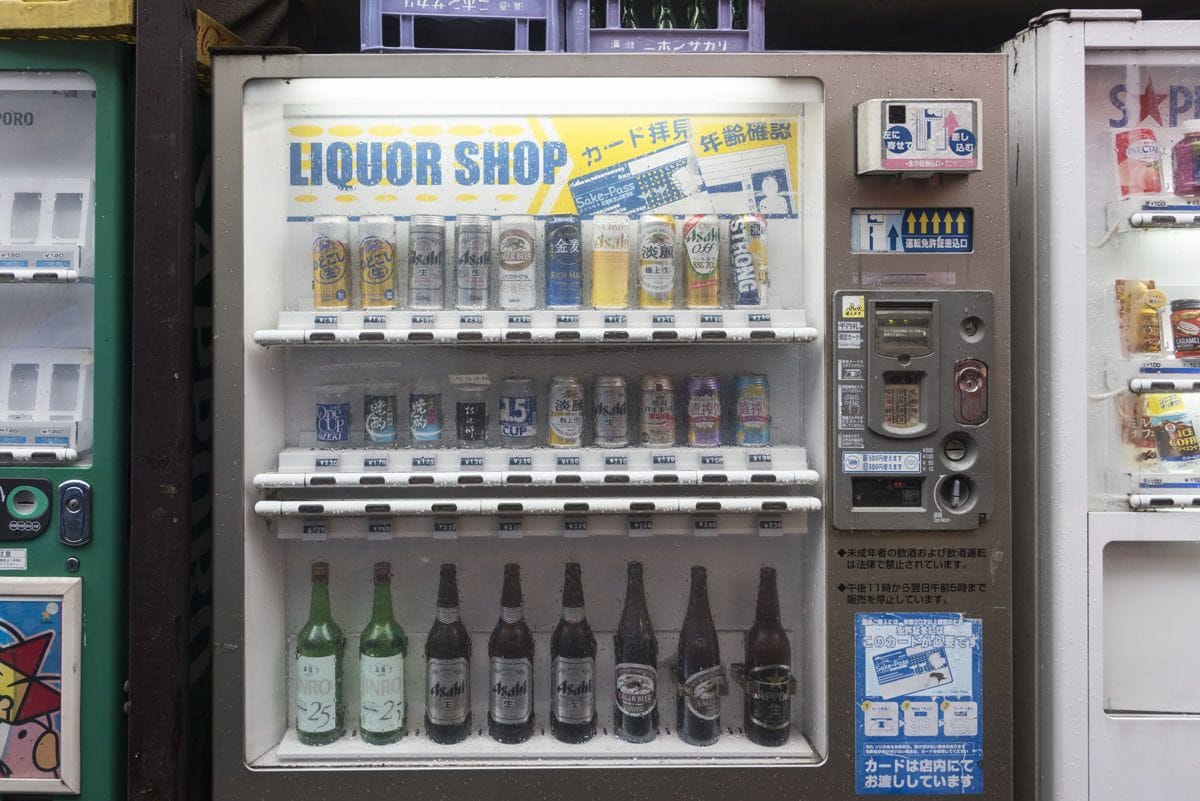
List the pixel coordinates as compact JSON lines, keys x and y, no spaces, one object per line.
{"x":912,"y":223}
{"x":924,"y":220}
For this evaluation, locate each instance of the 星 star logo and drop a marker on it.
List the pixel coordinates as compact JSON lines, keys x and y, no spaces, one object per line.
{"x":1150,"y":101}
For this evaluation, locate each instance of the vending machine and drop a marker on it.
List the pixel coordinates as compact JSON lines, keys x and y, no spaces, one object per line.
{"x":580,"y":413}
{"x":1106,"y":312}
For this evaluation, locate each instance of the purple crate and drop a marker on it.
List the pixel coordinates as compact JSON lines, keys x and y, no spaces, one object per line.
{"x":519,"y":12}
{"x":582,"y":38}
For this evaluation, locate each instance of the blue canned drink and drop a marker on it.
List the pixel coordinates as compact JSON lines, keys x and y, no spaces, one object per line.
{"x":333,"y":417}
{"x":752,"y":410}
{"x":379,"y":416}
{"x":425,"y":417}
{"x":564,"y":262}
{"x":703,"y":411}
{"x":518,"y":412}
{"x":748,"y":259}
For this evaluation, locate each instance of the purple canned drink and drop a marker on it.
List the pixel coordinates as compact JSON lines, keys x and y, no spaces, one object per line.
{"x":703,"y":411}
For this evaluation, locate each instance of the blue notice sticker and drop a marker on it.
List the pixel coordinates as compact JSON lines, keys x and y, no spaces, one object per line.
{"x":925,"y":230}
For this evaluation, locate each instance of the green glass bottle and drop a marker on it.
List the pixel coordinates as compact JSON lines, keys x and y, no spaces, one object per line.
{"x":629,"y":15}
{"x":381,"y":650}
{"x":664,"y":17}
{"x":320,"y":705}
{"x":698,"y":15}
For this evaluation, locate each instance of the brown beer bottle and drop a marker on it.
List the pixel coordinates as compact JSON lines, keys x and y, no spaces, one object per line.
{"x":573,"y":666}
{"x":699,"y":674}
{"x":510,"y":666}
{"x":448,"y":667}
{"x":635,"y":648}
{"x":768,"y":669}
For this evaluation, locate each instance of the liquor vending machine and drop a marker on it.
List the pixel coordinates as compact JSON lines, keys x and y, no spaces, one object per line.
{"x":578,"y":413}
{"x":1106,"y":226}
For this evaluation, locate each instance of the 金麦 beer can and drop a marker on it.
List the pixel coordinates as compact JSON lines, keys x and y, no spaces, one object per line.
{"x":658,"y":411}
{"x":702,"y":257}
{"x":752,"y":410}
{"x":518,"y":412}
{"x":379,"y":415}
{"x":517,"y":273}
{"x":703,"y":411}
{"x":426,"y":261}
{"x":564,"y":262}
{"x":610,"y":411}
{"x":332,"y":283}
{"x":656,"y":261}
{"x":610,"y":262}
{"x":748,"y":259}
{"x":566,"y":412}
{"x":377,"y":261}
{"x":472,"y":260}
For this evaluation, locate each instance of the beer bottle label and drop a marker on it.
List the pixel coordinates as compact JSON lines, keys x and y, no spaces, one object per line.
{"x":316,"y":694}
{"x":511,"y":701}
{"x":637,"y":689}
{"x":574,"y":681}
{"x":770,"y":698}
{"x":448,"y":691}
{"x":702,"y":692}
{"x":381,"y":690}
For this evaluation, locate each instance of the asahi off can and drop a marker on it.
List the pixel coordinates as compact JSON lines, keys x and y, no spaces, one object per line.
{"x":426,"y":261}
{"x":656,"y":261}
{"x":610,"y":262}
{"x":748,"y":260}
{"x":518,"y":412}
{"x":516,"y":274}
{"x":332,"y":281}
{"x":377,"y":261}
{"x":657,"y":412}
{"x":703,"y":411}
{"x":701,"y":261}
{"x":565,"y":412}
{"x":472,"y":260}
{"x":752,"y":410}
{"x":610,"y":411}
{"x":564,"y":262}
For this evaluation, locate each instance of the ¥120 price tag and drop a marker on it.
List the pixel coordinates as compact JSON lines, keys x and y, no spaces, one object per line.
{"x":641,"y":526}
{"x":445,"y":528}
{"x":705,"y":526}
{"x":575,"y":526}
{"x":770,"y":526}
{"x":509,"y":527}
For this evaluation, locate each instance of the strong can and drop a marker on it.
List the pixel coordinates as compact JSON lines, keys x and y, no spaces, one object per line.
{"x":656,"y":261}
{"x":748,"y":259}
{"x":658,"y":411}
{"x":566,"y":412}
{"x":426,"y":261}
{"x":701,"y":261}
{"x":564,"y":262}
{"x":703,"y":411}
{"x":752,"y":410}
{"x":518,"y":412}
{"x":610,"y":262}
{"x":331,"y":278}
{"x":516,"y":277}
{"x":377,"y":261}
{"x":472,"y":260}
{"x":610,"y":411}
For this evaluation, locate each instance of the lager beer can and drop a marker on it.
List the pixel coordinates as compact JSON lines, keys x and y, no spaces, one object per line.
{"x":331,"y":277}
{"x":748,"y":260}
{"x":701,"y":261}
{"x":516,"y":277}
{"x":426,"y":261}
{"x":472,"y":260}
{"x":610,"y":262}
{"x":656,"y":261}
{"x":703,"y":411}
{"x":566,"y":412}
{"x":377,"y":261}
{"x":379,"y":415}
{"x":564,"y":262}
{"x":518,"y":412}
{"x":610,"y":411}
{"x":752,"y":410}
{"x":658,"y":411}
{"x":332,"y":419}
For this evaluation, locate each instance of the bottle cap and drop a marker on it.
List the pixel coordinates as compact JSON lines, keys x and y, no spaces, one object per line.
{"x":320,"y":572}
{"x":383,"y":571}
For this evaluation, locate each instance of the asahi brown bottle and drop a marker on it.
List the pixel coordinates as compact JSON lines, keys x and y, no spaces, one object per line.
{"x":768,"y":669}
{"x":573,"y":666}
{"x":700,"y":676}
{"x":635,"y":648}
{"x":448,"y":667}
{"x":510,"y":666}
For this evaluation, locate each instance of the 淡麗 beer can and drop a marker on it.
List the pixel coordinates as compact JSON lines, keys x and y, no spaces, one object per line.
{"x":332,"y":283}
{"x":566,"y":412}
{"x":703,"y":411}
{"x":748,"y":259}
{"x":658,"y":411}
{"x":656,"y":261}
{"x":516,"y":276}
{"x":564,"y":262}
{"x":377,"y":261}
{"x":701,"y":261}
{"x":752,"y":410}
{"x":472,"y":260}
{"x":426,"y":261}
{"x":610,"y":411}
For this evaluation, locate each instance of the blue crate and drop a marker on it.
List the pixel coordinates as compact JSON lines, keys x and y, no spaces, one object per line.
{"x":582,"y":38}
{"x":520,"y":13}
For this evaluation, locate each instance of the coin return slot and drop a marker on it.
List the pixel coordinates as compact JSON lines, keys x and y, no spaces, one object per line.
{"x":322,"y":481}
{"x":312,"y":508}
{"x":665,"y":335}
{"x":575,"y":507}
{"x":470,"y":479}
{"x":570,"y":479}
{"x":764,"y":478}
{"x":520,"y":479}
{"x":465,"y":336}
{"x":322,"y":336}
{"x":518,"y":335}
{"x":420,"y":479}
{"x":445,"y":507}
{"x":378,"y":508}
{"x":566,"y":335}
{"x":371,"y":480}
{"x":616,"y":479}
{"x":510,"y":507}
{"x":370,"y":336}
{"x":420,"y":336}
{"x":665,"y":478}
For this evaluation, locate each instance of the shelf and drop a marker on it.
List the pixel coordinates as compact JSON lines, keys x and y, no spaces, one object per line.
{"x":9,"y":453}
{"x":424,"y":507}
{"x":1152,"y":211}
{"x":23,"y":276}
{"x":1164,"y":501}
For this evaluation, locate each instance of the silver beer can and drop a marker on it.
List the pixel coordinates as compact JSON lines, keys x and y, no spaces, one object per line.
{"x":516,"y":273}
{"x":472,"y":260}
{"x":610,"y":411}
{"x":426,"y":261}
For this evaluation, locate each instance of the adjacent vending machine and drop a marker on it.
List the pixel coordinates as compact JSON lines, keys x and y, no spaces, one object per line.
{"x":578,"y":413}
{"x":1105,"y":115}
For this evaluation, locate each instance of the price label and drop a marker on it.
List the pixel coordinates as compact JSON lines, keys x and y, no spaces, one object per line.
{"x":662,"y":320}
{"x":641,"y":526}
{"x":509,"y":527}
{"x":616,"y":461}
{"x":470,"y":461}
{"x":566,"y":320}
{"x":423,"y":461}
{"x":712,"y":319}
{"x":520,"y":461}
{"x":445,"y":528}
{"x":762,"y":459}
{"x":470,"y":320}
{"x":663,"y":459}
{"x":567,"y":462}
{"x":379,"y":529}
{"x":705,"y":526}
{"x":424,"y":320}
{"x":374,"y":461}
{"x":325,"y":320}
{"x":616,"y":321}
{"x":327,"y":461}
{"x":375,"y":319}
{"x":314,"y":531}
{"x":575,"y":526}
{"x":770,"y":526}
{"x":712,"y":459}
{"x":520,"y":320}
{"x":759,"y":318}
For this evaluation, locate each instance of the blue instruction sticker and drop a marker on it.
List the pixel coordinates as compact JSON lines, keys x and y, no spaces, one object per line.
{"x":919,"y":704}
{"x":924,"y":230}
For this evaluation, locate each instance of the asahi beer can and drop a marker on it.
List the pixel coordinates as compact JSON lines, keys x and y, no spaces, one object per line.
{"x":517,"y":265}
{"x":377,"y":261}
{"x":564,"y":262}
{"x":656,"y":261}
{"x":610,"y":411}
{"x":610,"y":262}
{"x":472,"y":260}
{"x":752,"y":410}
{"x":518,"y":412}
{"x":565,"y":412}
{"x":332,"y":281}
{"x":701,"y":261}
{"x":703,"y":411}
{"x":379,"y":415}
{"x":426,"y":261}
{"x":332,"y":419}
{"x":748,"y":260}
{"x":425,"y":418}
{"x":658,"y":411}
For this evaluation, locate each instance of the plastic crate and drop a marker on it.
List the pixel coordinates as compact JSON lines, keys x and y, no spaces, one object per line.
{"x":582,"y":38}
{"x":63,"y":19}
{"x":377,"y":15}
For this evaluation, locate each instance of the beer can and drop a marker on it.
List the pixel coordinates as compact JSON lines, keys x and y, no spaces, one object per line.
{"x":425,"y":417}
{"x":566,"y":412}
{"x":748,"y":259}
{"x":564,"y":262}
{"x":610,"y":411}
{"x":701,"y":261}
{"x":332,"y":419}
{"x":379,"y":415}
{"x":658,"y":411}
{"x":752,"y":410}
{"x":331,"y":277}
{"x":518,"y":412}
{"x":517,"y":273}
{"x":703,"y":411}
{"x":656,"y":261}
{"x":472,"y":260}
{"x":377,"y":261}
{"x":426,"y":261}
{"x":610,"y":262}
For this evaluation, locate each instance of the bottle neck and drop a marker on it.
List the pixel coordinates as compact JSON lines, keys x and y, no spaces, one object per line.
{"x":318,"y":608}
{"x":767,"y":610}
{"x":381,"y":604}
{"x":698,"y":600}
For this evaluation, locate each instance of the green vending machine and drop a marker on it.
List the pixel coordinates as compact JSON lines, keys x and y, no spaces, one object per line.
{"x":64,"y":256}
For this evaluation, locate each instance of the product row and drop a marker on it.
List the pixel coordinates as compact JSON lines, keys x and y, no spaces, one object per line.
{"x":1160,"y":429}
{"x":663,"y":14}
{"x":699,"y":675}
{"x":1150,"y":322}
{"x":478,"y":262}
{"x":703,"y":411}
{"x":1146,"y":166}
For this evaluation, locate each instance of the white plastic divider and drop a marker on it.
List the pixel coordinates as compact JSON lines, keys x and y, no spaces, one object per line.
{"x":37,"y":454}
{"x":1140,"y":386}
{"x":408,"y":507}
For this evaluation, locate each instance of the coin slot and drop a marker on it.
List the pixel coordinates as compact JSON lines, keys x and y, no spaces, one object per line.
{"x":420,"y":336}
{"x":664,"y":335}
{"x":575,"y":507}
{"x":641,"y":506}
{"x":518,"y":335}
{"x":27,"y":503}
{"x":371,"y":480}
{"x":322,"y":336}
{"x":370,"y":336}
{"x":445,"y":507}
{"x":378,"y":508}
{"x":312,"y":508}
{"x":322,"y":481}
